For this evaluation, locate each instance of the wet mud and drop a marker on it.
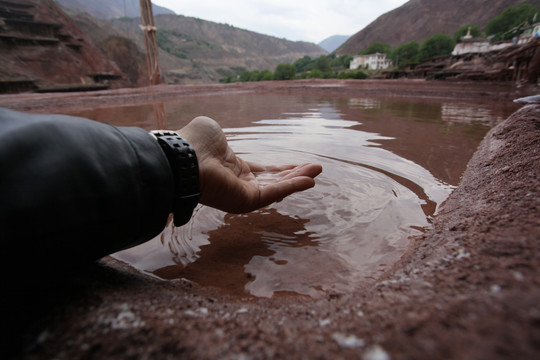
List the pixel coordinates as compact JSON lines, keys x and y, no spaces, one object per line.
{"x":468,"y":288}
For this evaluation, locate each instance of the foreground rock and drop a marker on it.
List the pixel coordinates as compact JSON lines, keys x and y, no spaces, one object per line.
{"x":467,"y":289}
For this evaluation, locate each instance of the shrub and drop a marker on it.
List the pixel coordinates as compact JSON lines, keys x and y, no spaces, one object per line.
{"x":507,"y":24}
{"x":284,"y":72}
{"x":405,"y":53}
{"x":437,"y":45}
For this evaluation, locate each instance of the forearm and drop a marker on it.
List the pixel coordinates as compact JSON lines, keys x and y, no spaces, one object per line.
{"x":77,"y":188}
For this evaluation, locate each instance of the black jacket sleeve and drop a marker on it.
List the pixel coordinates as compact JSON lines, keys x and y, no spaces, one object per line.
{"x":73,"y":190}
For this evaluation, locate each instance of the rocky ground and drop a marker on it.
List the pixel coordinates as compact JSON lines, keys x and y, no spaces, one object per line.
{"x":469,"y":288}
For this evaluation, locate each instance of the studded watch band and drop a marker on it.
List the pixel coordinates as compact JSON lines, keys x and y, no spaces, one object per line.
{"x":185,"y":168}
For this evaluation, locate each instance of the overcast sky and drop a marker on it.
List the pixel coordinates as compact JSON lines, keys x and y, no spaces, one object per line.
{"x":307,"y":20}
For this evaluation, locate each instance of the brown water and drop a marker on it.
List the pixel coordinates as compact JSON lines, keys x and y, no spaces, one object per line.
{"x":388,"y":165}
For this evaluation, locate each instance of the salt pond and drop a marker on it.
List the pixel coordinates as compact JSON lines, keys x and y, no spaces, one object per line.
{"x":388,"y":165}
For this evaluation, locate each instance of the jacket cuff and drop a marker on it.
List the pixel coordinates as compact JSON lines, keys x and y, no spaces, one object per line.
{"x":156,"y":183}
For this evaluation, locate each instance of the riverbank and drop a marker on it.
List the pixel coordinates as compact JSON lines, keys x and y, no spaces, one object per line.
{"x":469,"y":288}
{"x":466,"y":91}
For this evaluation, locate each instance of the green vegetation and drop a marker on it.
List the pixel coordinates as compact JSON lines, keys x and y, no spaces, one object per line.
{"x":405,"y":53}
{"x":323,"y":67}
{"x":437,"y":45}
{"x":284,"y":72}
{"x":303,"y":64}
{"x":510,"y":22}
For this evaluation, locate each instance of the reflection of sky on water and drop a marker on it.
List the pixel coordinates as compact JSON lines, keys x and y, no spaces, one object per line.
{"x":372,"y":195}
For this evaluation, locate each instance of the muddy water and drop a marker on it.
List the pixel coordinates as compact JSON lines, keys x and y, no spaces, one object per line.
{"x":388,"y":165}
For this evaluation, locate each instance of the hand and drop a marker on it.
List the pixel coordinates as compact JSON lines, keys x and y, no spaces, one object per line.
{"x":233,"y":185}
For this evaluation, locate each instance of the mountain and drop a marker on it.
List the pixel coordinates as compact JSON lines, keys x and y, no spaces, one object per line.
{"x":192,"y":50}
{"x":115,"y":44}
{"x":196,"y":50}
{"x":43,"y":48}
{"x":333,"y":42}
{"x":420,"y":19}
{"x":110,"y":9}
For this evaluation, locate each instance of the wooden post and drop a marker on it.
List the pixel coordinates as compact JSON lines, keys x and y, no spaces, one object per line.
{"x":150,"y":41}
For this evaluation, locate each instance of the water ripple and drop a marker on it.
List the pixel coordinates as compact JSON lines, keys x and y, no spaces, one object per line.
{"x":337,"y":237}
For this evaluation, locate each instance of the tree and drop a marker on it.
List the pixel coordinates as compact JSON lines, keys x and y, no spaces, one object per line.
{"x":377,"y":47}
{"x":510,"y":21}
{"x":405,"y":53}
{"x":462,"y":31}
{"x":437,"y":45}
{"x":303,"y":64}
{"x":343,"y":61}
{"x":318,"y":74}
{"x":267,"y":75}
{"x":284,"y":72}
{"x":322,"y":63}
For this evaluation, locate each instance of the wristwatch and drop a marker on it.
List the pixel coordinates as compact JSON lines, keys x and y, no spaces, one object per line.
{"x":185,"y":169}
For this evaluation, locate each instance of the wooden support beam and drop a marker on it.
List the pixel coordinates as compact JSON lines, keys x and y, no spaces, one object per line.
{"x":150,"y":41}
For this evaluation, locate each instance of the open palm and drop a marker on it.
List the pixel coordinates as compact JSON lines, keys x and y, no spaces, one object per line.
{"x":233,"y":185}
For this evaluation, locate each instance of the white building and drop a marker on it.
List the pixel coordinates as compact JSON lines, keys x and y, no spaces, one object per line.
{"x":469,"y":45}
{"x":372,"y":62}
{"x":531,"y":33}
{"x":477,"y":46}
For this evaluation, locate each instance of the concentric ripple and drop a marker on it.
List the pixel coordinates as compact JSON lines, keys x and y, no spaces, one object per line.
{"x":337,"y":237}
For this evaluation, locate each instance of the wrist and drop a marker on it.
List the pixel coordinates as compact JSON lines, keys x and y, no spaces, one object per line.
{"x":185,"y":171}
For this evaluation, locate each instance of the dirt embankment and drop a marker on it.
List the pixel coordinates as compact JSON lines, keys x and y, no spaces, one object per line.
{"x":466,"y":91}
{"x":469,"y":288}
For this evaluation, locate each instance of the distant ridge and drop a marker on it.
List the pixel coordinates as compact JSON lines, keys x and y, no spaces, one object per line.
{"x":420,"y":19}
{"x":197,"y":50}
{"x":333,"y":42}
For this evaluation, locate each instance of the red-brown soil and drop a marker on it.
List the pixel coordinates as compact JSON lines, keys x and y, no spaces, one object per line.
{"x":467,"y":289}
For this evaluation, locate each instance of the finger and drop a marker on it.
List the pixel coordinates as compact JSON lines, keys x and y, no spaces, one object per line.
{"x":309,"y":170}
{"x":255,"y":167}
{"x":285,"y":171}
{"x":279,"y":190}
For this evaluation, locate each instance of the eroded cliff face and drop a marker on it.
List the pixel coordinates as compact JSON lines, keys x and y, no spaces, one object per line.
{"x":41,"y":45}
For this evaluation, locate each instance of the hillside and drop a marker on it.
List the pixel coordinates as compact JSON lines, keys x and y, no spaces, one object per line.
{"x":48,"y":48}
{"x":129,"y":56}
{"x":195,"y":50}
{"x":420,"y":19}
{"x":110,"y":9}
{"x":41,"y":48}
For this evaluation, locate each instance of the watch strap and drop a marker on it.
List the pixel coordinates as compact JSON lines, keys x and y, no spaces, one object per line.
{"x":185,"y":169}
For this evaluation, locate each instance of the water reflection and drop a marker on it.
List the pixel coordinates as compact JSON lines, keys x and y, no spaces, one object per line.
{"x":364,"y":103}
{"x":467,"y":113}
{"x":366,"y":203}
{"x":241,"y":245}
{"x":387,"y":165}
